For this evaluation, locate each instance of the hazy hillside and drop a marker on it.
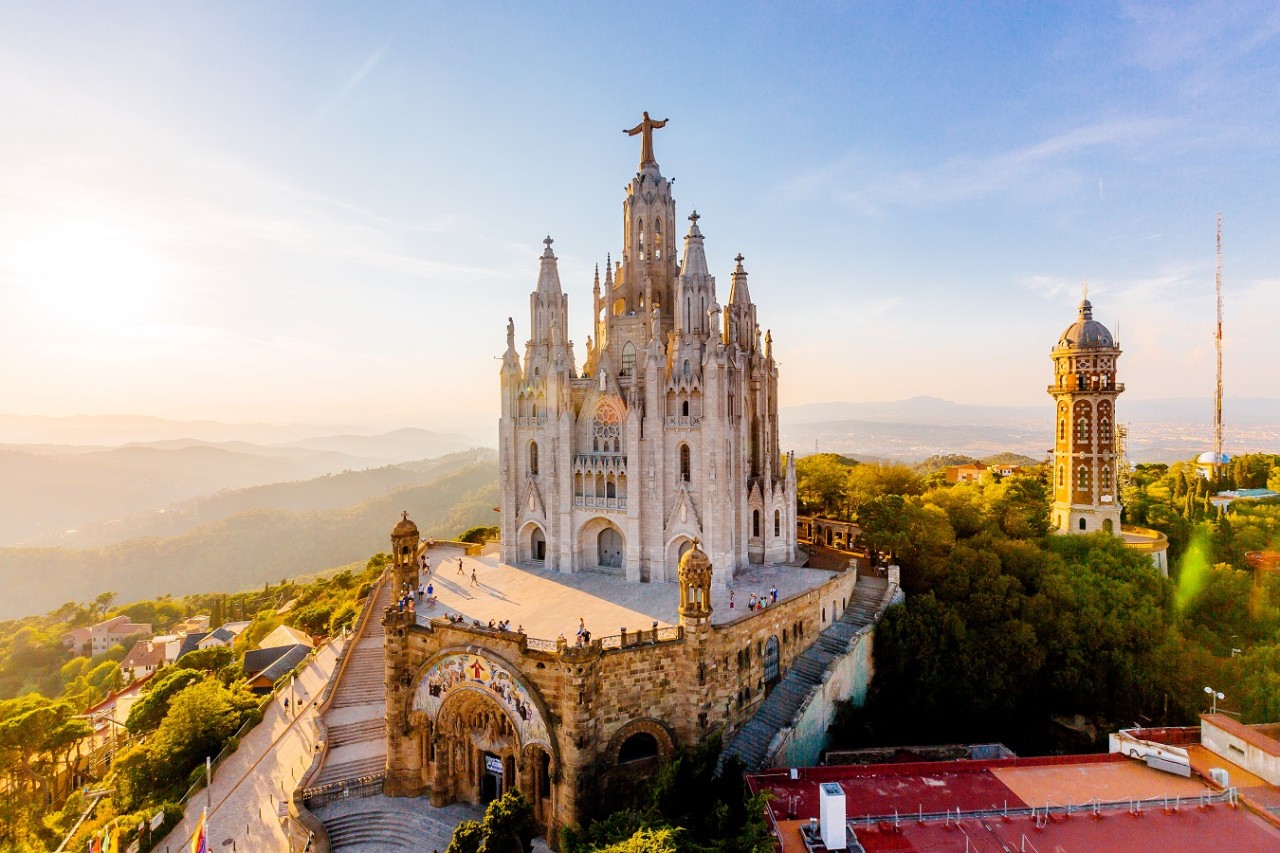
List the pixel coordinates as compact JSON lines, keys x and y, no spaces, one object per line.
{"x":245,"y":549}
{"x":45,"y":493}
{"x":51,"y":489}
{"x":331,"y":491}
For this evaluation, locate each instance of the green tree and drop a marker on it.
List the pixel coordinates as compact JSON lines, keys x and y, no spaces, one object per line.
{"x":211,"y":659}
{"x":150,"y":710}
{"x":508,"y":826}
{"x":646,"y":840}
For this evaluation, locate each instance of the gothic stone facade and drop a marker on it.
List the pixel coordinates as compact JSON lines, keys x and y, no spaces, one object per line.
{"x":1084,"y":451}
{"x":668,"y":433}
{"x":472,"y":713}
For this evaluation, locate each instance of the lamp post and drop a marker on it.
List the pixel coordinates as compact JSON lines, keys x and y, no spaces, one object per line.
{"x":1214,"y":696}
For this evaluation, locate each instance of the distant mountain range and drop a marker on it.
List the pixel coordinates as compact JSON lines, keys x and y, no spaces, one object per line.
{"x":257,"y":545}
{"x":1186,"y":411}
{"x":50,"y":489}
{"x":911,"y":430}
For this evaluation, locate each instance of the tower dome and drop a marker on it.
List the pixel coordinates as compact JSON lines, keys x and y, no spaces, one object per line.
{"x":404,"y":527}
{"x":1085,"y":331}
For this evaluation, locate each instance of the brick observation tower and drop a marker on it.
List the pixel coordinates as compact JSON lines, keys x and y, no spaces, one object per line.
{"x":1085,"y":457}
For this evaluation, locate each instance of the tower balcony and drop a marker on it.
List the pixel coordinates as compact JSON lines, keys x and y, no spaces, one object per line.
{"x":541,"y":420}
{"x":683,"y":420}
{"x":1069,"y":389}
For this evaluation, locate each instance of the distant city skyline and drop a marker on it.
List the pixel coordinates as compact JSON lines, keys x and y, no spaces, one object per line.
{"x":284,"y":213}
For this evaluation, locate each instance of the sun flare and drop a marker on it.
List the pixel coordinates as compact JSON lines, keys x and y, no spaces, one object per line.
{"x":91,"y":276}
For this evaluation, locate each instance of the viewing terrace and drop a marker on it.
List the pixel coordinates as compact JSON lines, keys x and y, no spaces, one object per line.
{"x":548,"y":604}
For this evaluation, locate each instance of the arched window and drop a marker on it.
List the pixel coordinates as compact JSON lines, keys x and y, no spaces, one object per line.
{"x":1062,"y":429}
{"x":777,"y":522}
{"x":1060,"y":475}
{"x":1104,"y":478}
{"x":684,"y":409}
{"x":1104,"y":429}
{"x":639,"y":746}
{"x":641,"y":223}
{"x":755,"y":522}
{"x":628,"y":359}
{"x":1082,"y":478}
{"x":533,"y":458}
{"x":611,"y":490}
{"x":688,"y":370}
{"x":684,"y":463}
{"x":657,"y":238}
{"x":1083,"y":525}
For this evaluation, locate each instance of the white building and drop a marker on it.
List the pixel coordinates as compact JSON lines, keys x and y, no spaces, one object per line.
{"x":669,"y":431}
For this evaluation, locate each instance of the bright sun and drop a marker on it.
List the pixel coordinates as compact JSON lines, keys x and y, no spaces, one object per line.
{"x":91,"y":276}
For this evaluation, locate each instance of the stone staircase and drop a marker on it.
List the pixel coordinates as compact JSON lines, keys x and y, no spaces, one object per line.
{"x":355,"y":718}
{"x":388,"y":825}
{"x":345,"y":733}
{"x":751,"y":742}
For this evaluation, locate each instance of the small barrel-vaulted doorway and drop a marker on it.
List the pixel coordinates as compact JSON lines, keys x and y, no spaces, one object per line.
{"x":491,"y":781}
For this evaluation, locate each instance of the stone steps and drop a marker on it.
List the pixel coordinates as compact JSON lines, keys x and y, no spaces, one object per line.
{"x":365,"y":730}
{"x":388,"y":831}
{"x":751,"y":742}
{"x":350,"y":770}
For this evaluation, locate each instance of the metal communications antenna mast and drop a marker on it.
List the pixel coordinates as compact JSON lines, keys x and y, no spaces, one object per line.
{"x":1217,"y":405}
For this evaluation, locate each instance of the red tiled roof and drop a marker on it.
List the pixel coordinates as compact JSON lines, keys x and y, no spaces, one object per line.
{"x":143,"y":654}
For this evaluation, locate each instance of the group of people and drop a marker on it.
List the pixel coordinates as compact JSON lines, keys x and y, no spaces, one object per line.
{"x":758,"y":602}
{"x":409,"y":597}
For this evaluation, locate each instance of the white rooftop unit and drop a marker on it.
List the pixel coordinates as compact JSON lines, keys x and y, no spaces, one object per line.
{"x":831,"y":815}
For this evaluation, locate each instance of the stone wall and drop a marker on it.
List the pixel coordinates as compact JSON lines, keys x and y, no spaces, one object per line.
{"x":675,"y":686}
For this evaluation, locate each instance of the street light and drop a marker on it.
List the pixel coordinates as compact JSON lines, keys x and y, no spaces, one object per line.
{"x":1215,"y":697}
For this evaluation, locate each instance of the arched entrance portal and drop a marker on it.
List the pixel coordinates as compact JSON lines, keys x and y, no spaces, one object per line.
{"x":483,"y":733}
{"x":609,"y":548}
{"x":477,"y":738}
{"x":602,"y":546}
{"x":533,"y":544}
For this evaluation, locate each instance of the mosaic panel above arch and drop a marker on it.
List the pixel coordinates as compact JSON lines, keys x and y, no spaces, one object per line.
{"x":472,"y":671}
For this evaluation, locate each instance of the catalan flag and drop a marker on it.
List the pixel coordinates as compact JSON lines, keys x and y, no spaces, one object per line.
{"x":200,"y":840}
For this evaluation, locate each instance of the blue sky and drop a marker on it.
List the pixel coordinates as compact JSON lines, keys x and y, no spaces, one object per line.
{"x":325,"y":212}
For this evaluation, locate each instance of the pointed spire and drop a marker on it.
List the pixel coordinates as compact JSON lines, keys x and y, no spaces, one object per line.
{"x":738,"y":293}
{"x":694,"y":262}
{"x":608,"y":270}
{"x":548,"y":273}
{"x":595,"y":287}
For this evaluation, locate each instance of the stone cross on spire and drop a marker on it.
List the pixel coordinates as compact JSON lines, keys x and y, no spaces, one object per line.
{"x":645,"y":129}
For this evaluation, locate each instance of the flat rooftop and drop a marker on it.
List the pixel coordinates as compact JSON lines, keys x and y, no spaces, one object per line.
{"x":548,"y":603}
{"x":1158,"y":811}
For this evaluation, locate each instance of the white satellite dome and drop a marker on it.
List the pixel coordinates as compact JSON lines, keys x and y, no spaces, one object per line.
{"x":1206,"y":458}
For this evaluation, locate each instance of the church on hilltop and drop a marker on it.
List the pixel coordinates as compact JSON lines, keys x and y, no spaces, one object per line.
{"x":647,"y":592}
{"x":665,"y":433}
